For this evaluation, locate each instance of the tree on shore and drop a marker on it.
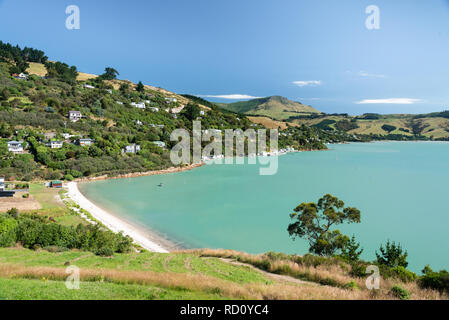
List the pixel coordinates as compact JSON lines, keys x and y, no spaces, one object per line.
{"x":313,"y":221}
{"x":392,"y":255}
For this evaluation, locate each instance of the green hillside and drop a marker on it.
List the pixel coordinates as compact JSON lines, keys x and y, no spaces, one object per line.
{"x":433,"y":126}
{"x":276,"y":107}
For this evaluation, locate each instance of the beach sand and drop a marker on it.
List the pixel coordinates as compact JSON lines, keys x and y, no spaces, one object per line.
{"x":115,"y":224}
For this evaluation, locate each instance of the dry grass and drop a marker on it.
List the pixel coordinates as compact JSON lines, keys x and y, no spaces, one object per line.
{"x":40,"y":70}
{"x":271,"y":124}
{"x":333,"y":274}
{"x":193,"y":282}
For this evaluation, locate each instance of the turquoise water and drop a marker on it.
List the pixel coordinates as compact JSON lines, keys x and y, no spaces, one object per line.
{"x":401,"y":189}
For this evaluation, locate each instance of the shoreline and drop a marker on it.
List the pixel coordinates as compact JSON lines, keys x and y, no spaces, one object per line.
{"x":141,"y":174}
{"x":145,"y":239}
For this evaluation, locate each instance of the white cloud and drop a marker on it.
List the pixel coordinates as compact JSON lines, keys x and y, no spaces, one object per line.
{"x":304,"y":83}
{"x":230,"y":96}
{"x":389,"y":101}
{"x":371,"y":75}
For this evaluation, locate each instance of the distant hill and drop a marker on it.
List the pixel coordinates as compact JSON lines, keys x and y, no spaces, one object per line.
{"x":275,"y":107}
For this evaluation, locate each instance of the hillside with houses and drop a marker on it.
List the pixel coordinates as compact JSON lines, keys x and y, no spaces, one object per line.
{"x":54,"y":126}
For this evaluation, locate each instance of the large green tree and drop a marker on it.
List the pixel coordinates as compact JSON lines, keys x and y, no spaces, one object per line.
{"x":314,"y":222}
{"x":110,"y":74}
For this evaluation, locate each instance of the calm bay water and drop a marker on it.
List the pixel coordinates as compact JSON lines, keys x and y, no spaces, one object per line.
{"x":401,"y":189}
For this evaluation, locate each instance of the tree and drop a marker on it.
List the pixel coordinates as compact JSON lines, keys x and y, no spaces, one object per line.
{"x":314,"y":222}
{"x":388,"y":128}
{"x":191,"y":111}
{"x":392,"y":255}
{"x":350,"y":251}
{"x":110,"y":74}
{"x":140,"y":87}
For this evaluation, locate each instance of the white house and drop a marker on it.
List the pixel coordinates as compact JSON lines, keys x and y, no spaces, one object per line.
{"x":55,"y":144}
{"x":160,"y":144}
{"x":202,"y":113}
{"x":132,"y":148}
{"x":140,"y":105}
{"x":88,"y":86}
{"x":75,"y":116}
{"x":15,"y":146}
{"x":119,"y":102}
{"x":139,"y":123}
{"x":21,"y":76}
{"x":170,"y":100}
{"x":2,"y":184}
{"x":86,"y":142}
{"x":67,"y":136}
{"x":154,"y":109}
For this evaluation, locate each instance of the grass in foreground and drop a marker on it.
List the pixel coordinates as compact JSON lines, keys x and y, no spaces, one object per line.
{"x":26,"y":274}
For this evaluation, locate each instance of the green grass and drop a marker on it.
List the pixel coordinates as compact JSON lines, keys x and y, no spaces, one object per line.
{"x":29,"y":288}
{"x":145,"y":261}
{"x":23,"y":289}
{"x":52,"y":206}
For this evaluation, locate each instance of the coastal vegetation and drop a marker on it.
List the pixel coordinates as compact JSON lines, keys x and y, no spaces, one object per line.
{"x":114,"y":114}
{"x":313,"y":221}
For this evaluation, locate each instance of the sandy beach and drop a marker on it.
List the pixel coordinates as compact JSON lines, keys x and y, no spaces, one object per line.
{"x":112,"y":222}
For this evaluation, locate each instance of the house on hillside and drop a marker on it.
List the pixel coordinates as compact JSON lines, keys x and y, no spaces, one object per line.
{"x":171,"y":100}
{"x":50,"y":135}
{"x":86,"y":142}
{"x":75,"y":116}
{"x":202,"y":113}
{"x":88,"y":86}
{"x":21,"y":76}
{"x":15,"y":146}
{"x":154,"y":109}
{"x":132,"y":148}
{"x":67,"y":136}
{"x":55,"y":144}
{"x":160,"y":144}
{"x":140,"y":105}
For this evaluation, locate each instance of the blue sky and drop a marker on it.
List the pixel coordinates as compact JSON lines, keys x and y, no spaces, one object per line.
{"x":318,"y":52}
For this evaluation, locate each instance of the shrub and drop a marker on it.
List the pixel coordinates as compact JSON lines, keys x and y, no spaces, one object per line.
{"x":351,"y":286}
{"x":68,"y":177}
{"x":400,"y":293}
{"x":105,"y":252}
{"x":8,"y":227}
{"x":403,"y":274}
{"x":26,"y":196}
{"x":435,"y":280}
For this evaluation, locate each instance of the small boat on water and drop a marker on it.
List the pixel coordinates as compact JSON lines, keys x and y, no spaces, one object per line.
{"x":160,"y":185}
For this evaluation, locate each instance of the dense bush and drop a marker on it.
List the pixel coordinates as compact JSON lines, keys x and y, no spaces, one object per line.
{"x":400,"y":293}
{"x":39,"y":232}
{"x":435,"y":280}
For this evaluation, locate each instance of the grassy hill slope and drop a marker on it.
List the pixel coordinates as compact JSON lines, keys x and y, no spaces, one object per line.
{"x":428,"y":126}
{"x":278,"y":108}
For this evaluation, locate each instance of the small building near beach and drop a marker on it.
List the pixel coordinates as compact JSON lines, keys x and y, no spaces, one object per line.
{"x":56,"y":184}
